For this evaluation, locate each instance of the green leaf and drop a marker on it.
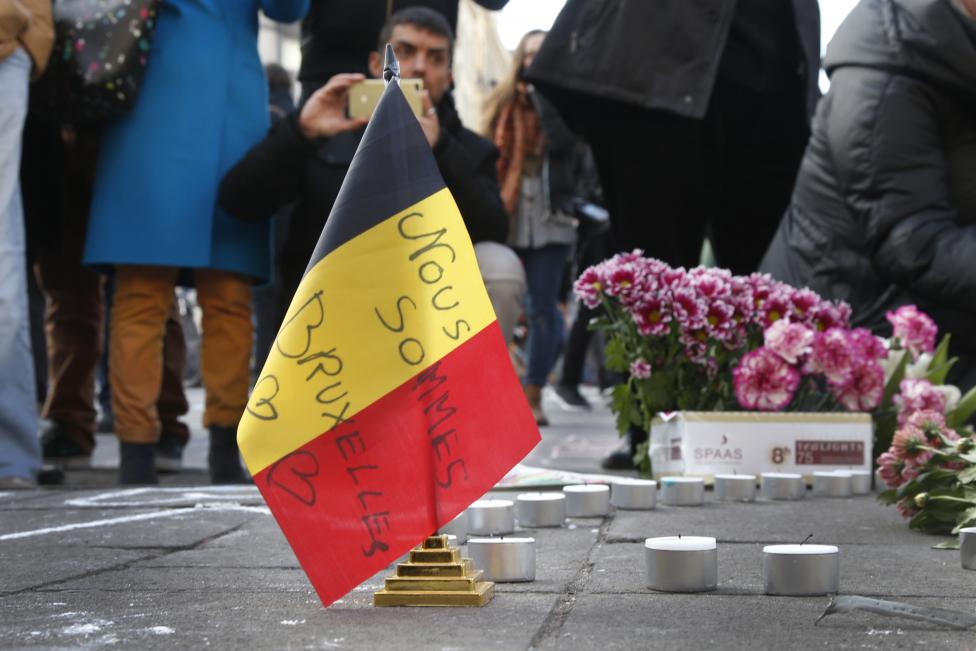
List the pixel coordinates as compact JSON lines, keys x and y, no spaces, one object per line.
{"x":938,"y":374}
{"x":891,"y":387}
{"x":615,"y":356}
{"x":963,"y":411}
{"x":949,"y":544}
{"x":887,"y":496}
{"x":940,"y":357}
{"x":966,"y":519}
{"x":967,"y":476}
{"x":620,"y":405}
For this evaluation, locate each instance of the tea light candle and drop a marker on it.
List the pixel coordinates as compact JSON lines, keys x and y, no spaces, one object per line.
{"x":801,"y":570}
{"x":541,"y":509}
{"x":491,"y":517}
{"x":735,"y":488}
{"x":633,"y":493}
{"x":681,"y":564}
{"x":587,"y":500}
{"x":781,"y":486}
{"x":860,"y":481}
{"x":457,"y":527}
{"x":835,"y":483}
{"x":683,"y":491}
{"x":967,"y":547}
{"x":506,"y":560}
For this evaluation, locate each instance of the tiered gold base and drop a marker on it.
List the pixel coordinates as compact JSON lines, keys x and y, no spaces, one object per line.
{"x":435,"y":575}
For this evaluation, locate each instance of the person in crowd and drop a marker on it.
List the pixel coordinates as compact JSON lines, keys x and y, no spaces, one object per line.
{"x":26,"y":38}
{"x":884,"y":209}
{"x":58,"y":173}
{"x":539,"y":173}
{"x":266,"y":298}
{"x":338,"y":35}
{"x":155,"y":221}
{"x":306,"y":157}
{"x":697,"y":114}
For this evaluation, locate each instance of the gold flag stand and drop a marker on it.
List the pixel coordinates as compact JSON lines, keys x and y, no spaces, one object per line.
{"x":435,"y":575}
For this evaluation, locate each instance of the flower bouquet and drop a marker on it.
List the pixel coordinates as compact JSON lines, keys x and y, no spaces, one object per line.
{"x":706,"y":340}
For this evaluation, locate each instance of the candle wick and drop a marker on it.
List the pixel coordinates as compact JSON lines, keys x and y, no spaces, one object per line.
{"x":806,"y":539}
{"x":679,"y":536}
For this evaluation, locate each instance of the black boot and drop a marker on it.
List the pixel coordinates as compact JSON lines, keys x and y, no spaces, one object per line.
{"x":137,"y":463}
{"x":224,"y":457}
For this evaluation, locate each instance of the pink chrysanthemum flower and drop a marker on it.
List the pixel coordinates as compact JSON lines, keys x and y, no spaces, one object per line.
{"x":640,"y":369}
{"x":763,"y":381}
{"x":776,"y":306}
{"x":909,"y":444}
{"x":863,"y":387}
{"x":890,"y":467}
{"x":652,"y":316}
{"x":915,"y":329}
{"x":804,"y":301}
{"x":791,"y":341}
{"x":589,"y":287}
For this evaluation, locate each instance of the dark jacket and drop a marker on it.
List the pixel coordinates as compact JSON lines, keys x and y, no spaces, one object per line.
{"x":655,"y":54}
{"x":286,"y":167}
{"x":338,"y":35}
{"x":884,"y":209}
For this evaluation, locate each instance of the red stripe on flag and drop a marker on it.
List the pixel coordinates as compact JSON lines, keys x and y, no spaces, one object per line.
{"x":362,"y":494}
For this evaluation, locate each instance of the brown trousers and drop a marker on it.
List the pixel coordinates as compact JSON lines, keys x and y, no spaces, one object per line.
{"x":75,"y":308}
{"x":143,"y":298}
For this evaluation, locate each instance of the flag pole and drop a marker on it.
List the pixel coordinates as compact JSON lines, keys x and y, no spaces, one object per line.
{"x":391,"y":67}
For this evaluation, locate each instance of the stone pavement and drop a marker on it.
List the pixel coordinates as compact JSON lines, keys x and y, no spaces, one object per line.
{"x":189,"y":566}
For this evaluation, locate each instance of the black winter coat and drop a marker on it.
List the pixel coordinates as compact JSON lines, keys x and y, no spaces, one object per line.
{"x":338,"y":35}
{"x":884,"y":208}
{"x":654,"y":54}
{"x":286,"y":167}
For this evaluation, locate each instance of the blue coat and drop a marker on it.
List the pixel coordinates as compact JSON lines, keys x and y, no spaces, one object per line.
{"x":202,"y":105}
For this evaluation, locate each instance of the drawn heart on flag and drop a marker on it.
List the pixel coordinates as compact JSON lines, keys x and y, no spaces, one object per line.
{"x":291,"y":341}
{"x":292,"y":474}
{"x":264,"y":392}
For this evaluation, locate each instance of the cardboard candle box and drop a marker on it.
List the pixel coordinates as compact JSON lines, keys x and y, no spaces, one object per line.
{"x":703,"y":443}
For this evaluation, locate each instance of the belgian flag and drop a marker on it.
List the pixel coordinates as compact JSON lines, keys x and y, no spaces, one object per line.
{"x":388,"y":403}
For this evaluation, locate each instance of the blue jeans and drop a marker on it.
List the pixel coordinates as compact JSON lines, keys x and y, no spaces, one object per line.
{"x":20,"y":453}
{"x":544,"y":274}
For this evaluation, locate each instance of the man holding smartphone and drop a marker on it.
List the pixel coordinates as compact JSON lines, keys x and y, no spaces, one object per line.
{"x":305,"y":158}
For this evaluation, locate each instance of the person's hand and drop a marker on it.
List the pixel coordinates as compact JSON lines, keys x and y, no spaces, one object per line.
{"x":429,"y":121}
{"x":324,"y":114}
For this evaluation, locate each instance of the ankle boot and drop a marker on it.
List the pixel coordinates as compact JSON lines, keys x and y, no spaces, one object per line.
{"x":533,"y":393}
{"x":137,"y":463}
{"x":224,"y":458}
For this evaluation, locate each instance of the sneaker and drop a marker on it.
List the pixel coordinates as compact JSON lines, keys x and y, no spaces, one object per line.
{"x":16,"y":483}
{"x":169,"y":453}
{"x":570,"y":398}
{"x":59,"y":449}
{"x":620,"y":459}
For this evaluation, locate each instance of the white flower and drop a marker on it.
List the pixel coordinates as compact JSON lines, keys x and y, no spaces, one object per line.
{"x":917,"y":369}
{"x":891,"y":362}
{"x":952,"y":395}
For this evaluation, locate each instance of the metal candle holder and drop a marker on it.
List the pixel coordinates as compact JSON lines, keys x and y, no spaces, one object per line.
{"x":491,"y":518}
{"x":683,"y":491}
{"x":507,"y":560}
{"x":541,"y":509}
{"x":627,"y":493}
{"x":967,"y":547}
{"x":837,"y":483}
{"x":735,"y":488}
{"x":801,"y":570}
{"x":782,"y":486}
{"x":587,"y":500}
{"x":681,"y":564}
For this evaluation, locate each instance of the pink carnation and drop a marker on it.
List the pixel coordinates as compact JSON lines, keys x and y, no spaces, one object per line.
{"x":906,"y":507}
{"x":763,"y":381}
{"x":915,"y":329}
{"x":863,"y":387}
{"x":640,"y":369}
{"x":867,"y":344}
{"x":791,"y":341}
{"x":918,"y":395}
{"x":832,"y":356}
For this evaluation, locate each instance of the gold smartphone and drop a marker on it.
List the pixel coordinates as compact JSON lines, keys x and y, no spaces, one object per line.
{"x":364,"y":95}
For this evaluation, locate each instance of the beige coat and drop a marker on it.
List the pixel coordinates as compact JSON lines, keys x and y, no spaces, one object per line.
{"x":27,"y":23}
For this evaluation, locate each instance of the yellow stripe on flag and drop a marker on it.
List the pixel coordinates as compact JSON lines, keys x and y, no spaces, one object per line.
{"x":369,"y":316}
